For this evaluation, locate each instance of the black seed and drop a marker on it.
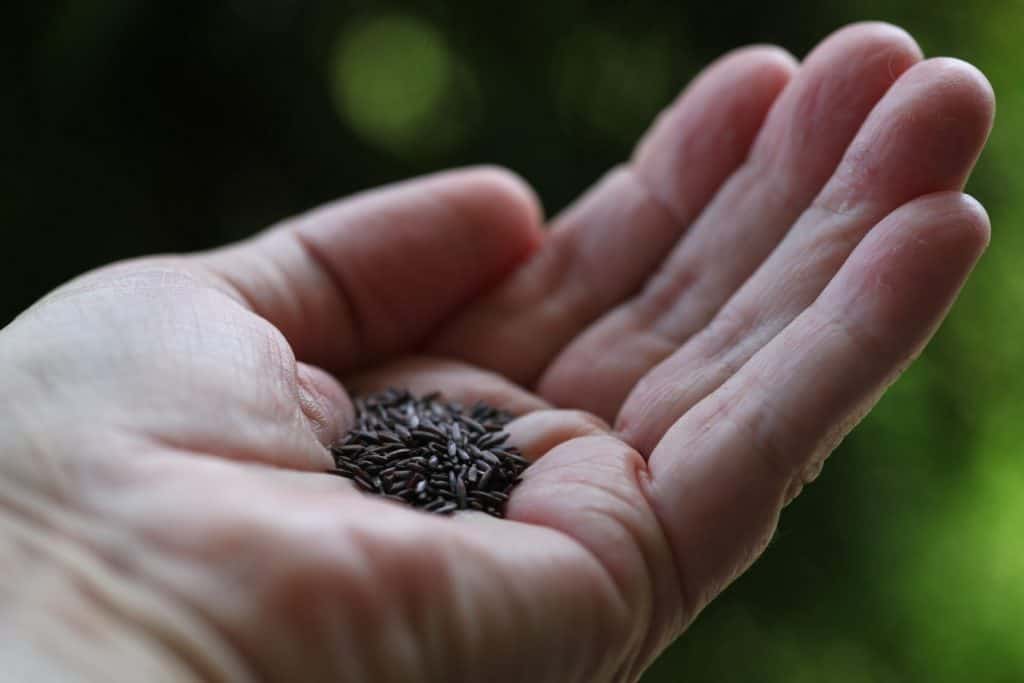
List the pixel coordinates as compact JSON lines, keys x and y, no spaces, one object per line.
{"x":495,"y":439}
{"x":486,"y":479}
{"x":446,"y":508}
{"x":460,"y":492}
{"x":429,"y":453}
{"x":390,"y":436}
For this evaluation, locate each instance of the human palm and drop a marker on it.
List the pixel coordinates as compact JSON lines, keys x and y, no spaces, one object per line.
{"x":685,"y":346}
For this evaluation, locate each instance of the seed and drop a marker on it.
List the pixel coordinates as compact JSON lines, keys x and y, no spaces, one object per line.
{"x":460,"y":492}
{"x":390,"y":436}
{"x":486,"y":479}
{"x":429,"y":453}
{"x":449,"y":506}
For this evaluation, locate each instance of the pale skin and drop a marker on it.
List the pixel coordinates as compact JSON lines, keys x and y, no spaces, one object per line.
{"x":684,"y":346}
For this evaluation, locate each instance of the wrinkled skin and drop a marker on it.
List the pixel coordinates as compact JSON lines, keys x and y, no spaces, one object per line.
{"x":685,"y":346}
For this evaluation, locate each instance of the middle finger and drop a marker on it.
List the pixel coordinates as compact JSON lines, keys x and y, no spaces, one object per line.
{"x":802,"y":141}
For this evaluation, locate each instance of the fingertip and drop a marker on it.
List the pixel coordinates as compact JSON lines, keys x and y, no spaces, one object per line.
{"x":902,"y":279}
{"x":761,"y":55}
{"x":540,"y":431}
{"x":955,"y":218}
{"x":872,"y":36}
{"x":324,"y":403}
{"x":507,"y":185}
{"x":979,"y":219}
{"x":762,"y":67}
{"x":969,"y":217}
{"x":500,"y":200}
{"x":962,"y":85}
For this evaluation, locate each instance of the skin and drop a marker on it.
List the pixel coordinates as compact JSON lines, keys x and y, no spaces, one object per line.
{"x":685,"y":346}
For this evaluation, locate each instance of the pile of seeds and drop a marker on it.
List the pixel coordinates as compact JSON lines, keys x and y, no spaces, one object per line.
{"x":429,"y":453}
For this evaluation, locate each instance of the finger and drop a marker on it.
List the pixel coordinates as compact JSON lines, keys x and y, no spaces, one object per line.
{"x":374,"y":274}
{"x":802,"y":140}
{"x":537,"y":433}
{"x":592,"y":489}
{"x":457,"y":381}
{"x":923,"y":137}
{"x":725,"y":469}
{"x":604,"y":247}
{"x":324,"y":402}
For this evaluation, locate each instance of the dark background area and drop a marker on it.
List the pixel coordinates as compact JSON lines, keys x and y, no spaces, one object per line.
{"x":131,"y":127}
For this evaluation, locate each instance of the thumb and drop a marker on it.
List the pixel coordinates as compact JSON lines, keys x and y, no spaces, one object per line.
{"x":324,"y":403}
{"x":373,"y":275}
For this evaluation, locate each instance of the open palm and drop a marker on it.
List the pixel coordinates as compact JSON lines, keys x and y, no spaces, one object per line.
{"x":685,"y":347}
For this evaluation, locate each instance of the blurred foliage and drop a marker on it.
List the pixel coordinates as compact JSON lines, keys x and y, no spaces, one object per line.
{"x":133,"y":127}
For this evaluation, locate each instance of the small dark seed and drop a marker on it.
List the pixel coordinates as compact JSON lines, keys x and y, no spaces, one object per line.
{"x":486,"y":479}
{"x":429,"y":453}
{"x":460,"y":492}
{"x":447,"y":508}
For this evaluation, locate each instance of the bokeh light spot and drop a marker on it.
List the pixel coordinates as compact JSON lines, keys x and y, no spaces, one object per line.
{"x":392,"y":80}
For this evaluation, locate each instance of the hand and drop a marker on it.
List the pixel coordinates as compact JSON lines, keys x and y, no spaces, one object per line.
{"x":685,"y":347}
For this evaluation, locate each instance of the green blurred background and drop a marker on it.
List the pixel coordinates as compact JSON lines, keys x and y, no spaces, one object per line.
{"x":131,"y":127}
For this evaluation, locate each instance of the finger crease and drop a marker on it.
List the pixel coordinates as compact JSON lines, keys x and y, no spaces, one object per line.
{"x":342,"y":286}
